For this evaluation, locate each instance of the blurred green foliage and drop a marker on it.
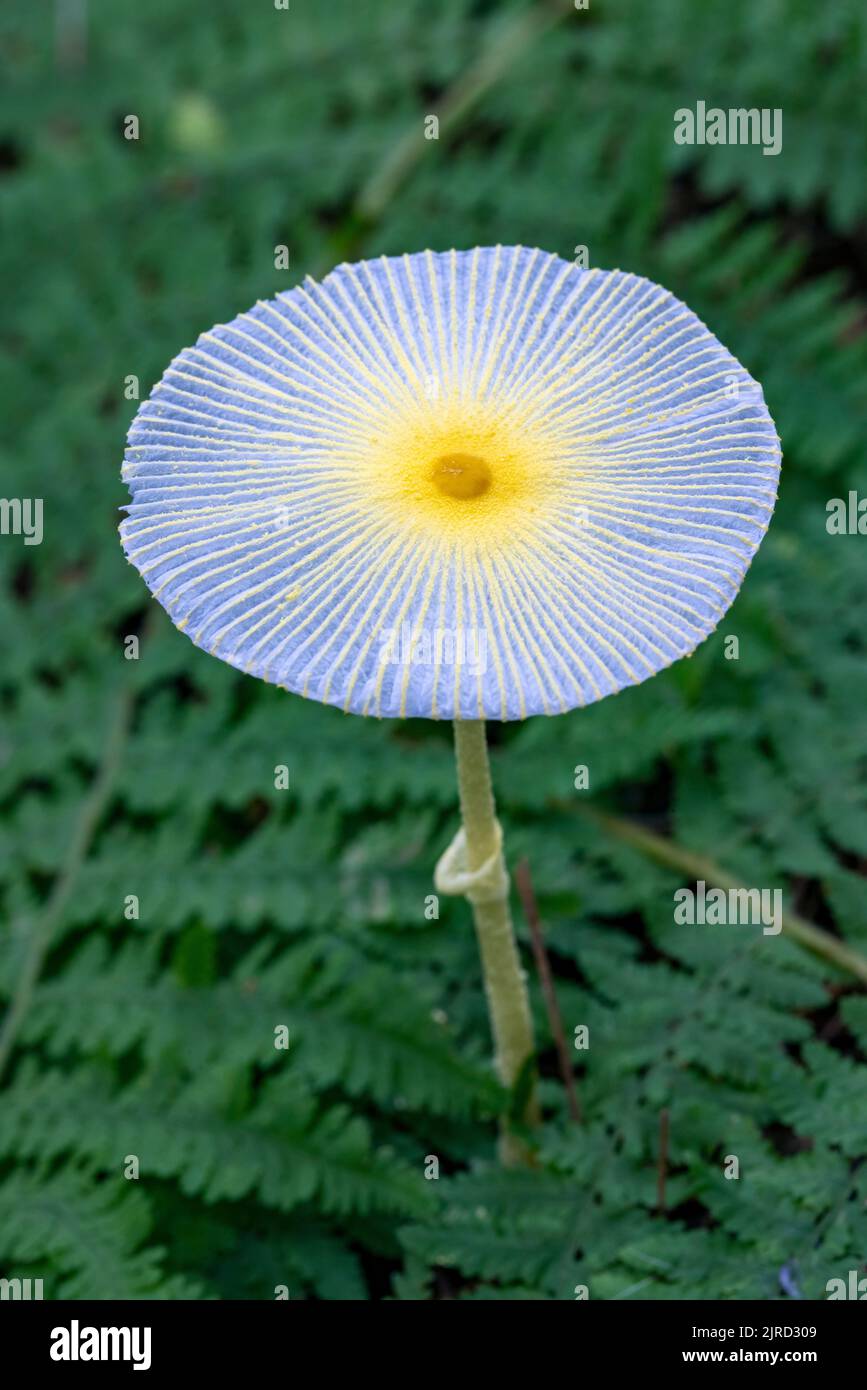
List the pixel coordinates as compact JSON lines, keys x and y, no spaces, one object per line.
{"x":258,"y":908}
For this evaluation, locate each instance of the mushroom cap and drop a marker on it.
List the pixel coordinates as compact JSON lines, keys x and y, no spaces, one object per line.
{"x":470,"y":484}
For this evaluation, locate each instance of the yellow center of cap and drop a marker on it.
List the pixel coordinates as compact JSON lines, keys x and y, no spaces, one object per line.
{"x":461,"y":476}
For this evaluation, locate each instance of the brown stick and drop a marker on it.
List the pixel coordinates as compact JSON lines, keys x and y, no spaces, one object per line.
{"x":662,"y":1169}
{"x":524,"y":884}
{"x":696,"y":866}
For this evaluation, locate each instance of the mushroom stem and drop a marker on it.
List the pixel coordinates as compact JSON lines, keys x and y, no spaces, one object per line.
{"x":505,"y":981}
